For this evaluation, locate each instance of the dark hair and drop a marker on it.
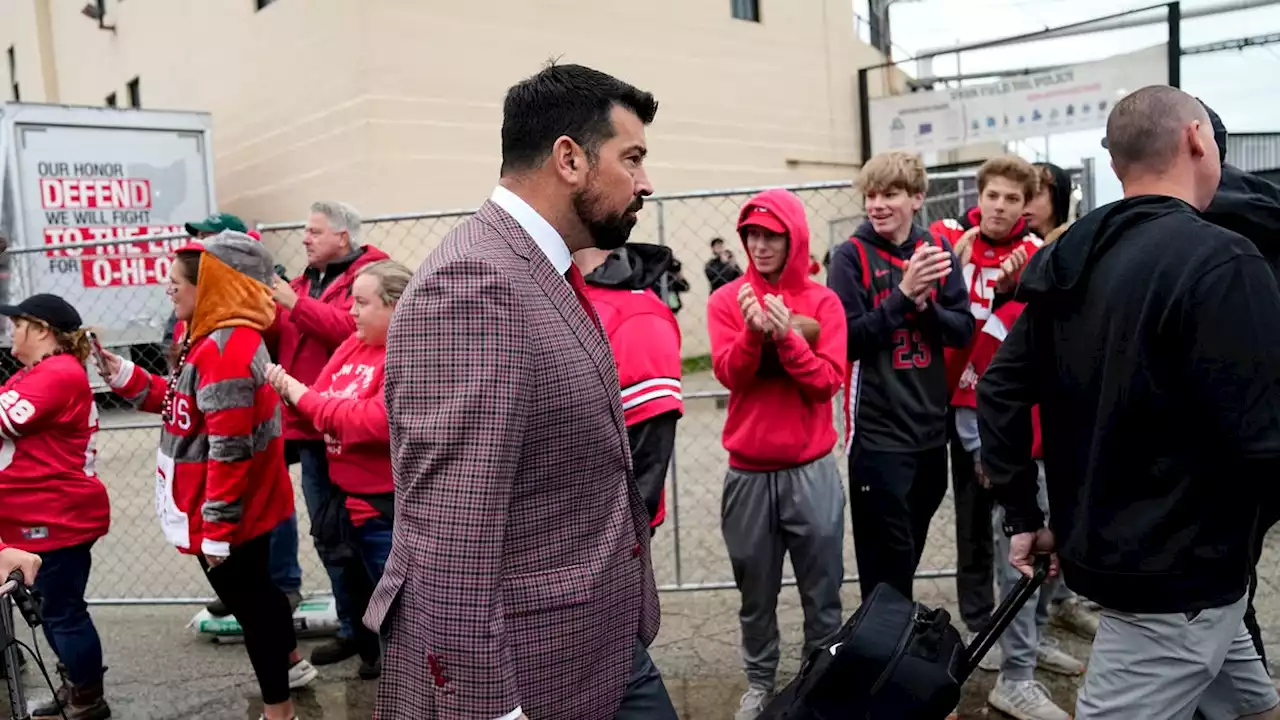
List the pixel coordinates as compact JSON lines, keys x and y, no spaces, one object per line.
{"x":564,"y":100}
{"x":188,"y":261}
{"x":714,"y":241}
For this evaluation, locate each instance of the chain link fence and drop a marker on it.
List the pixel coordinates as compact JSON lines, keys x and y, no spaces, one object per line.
{"x":134,"y":564}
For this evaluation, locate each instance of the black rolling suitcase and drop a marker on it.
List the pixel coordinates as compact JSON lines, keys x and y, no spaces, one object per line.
{"x":894,"y":660}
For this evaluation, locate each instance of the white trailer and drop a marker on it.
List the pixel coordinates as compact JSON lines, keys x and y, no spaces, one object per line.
{"x":92,"y":203}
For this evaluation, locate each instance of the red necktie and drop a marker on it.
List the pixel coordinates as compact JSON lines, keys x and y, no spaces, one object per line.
{"x":579,"y":285}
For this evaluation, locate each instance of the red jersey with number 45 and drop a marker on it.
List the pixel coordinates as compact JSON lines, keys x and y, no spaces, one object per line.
{"x":50,"y":494}
{"x":985,"y":344}
{"x":980,"y":278}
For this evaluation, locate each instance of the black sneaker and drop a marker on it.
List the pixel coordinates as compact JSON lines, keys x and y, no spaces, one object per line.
{"x":370,"y":670}
{"x":334,"y":651}
{"x":217,"y":608}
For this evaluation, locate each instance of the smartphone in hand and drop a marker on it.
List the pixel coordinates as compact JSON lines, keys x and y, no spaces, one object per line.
{"x":98,"y":351}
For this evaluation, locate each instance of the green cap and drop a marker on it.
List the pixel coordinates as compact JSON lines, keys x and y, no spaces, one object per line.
{"x":216,"y":223}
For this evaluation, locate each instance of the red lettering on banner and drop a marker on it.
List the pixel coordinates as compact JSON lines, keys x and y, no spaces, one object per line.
{"x":62,"y":241}
{"x":94,"y":194}
{"x":125,"y":271}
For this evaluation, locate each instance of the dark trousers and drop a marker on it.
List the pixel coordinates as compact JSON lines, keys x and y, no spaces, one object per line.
{"x":1269,"y":516}
{"x":975,"y":546}
{"x":63,"y":576}
{"x":892,"y":499}
{"x":361,"y":575}
{"x":285,"y":570}
{"x":646,"y":697}
{"x":316,"y":489}
{"x":244,"y":583}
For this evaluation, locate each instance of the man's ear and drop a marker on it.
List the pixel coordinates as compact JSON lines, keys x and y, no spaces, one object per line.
{"x":1194,"y":141}
{"x":569,"y":160}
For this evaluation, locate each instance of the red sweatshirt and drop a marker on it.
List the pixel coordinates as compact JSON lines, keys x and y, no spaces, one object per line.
{"x":780,"y":414}
{"x":980,"y":277}
{"x":309,"y":333}
{"x":346,"y":404}
{"x":50,"y":494}
{"x":985,"y":345}
{"x":221,"y":477}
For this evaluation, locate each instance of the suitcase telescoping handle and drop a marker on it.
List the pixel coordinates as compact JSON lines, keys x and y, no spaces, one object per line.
{"x":1003,"y":615}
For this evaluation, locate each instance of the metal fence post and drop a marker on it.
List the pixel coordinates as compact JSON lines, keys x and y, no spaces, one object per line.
{"x":674,"y":470}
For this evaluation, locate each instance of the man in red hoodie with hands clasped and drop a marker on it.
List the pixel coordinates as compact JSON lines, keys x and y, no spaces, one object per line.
{"x":778,"y":344}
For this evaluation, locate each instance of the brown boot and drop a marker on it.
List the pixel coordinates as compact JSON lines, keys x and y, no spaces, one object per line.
{"x":53,"y":708}
{"x":84,"y":702}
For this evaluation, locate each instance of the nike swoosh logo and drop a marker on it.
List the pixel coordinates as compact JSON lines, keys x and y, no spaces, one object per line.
{"x":881,"y":273}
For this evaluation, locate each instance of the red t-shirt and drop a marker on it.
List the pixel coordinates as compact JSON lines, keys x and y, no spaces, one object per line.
{"x":346,"y":404}
{"x":50,"y":494}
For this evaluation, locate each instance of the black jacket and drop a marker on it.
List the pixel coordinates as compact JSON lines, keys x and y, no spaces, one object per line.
{"x":1151,"y":342}
{"x":900,"y":395}
{"x":1249,"y":205}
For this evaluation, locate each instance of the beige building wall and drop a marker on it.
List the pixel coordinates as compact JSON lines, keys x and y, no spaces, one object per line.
{"x":395,"y":105}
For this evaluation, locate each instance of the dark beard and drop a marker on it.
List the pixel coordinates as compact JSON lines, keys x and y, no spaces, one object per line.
{"x":609,"y":231}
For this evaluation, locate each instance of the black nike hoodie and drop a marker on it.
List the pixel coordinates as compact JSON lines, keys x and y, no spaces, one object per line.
{"x":1151,"y":342}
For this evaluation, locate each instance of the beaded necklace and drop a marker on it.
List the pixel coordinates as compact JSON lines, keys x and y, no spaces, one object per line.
{"x":171,"y":386}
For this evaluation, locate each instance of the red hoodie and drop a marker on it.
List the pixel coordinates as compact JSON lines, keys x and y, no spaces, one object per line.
{"x":309,"y":333}
{"x":780,"y":413}
{"x":50,"y":494}
{"x":346,"y":404}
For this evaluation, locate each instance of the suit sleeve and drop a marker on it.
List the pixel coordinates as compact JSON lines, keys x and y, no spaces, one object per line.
{"x":819,"y":371}
{"x":868,"y":327}
{"x":457,"y":372}
{"x":353,"y":421}
{"x":652,"y":443}
{"x":330,"y":324}
{"x":1007,"y":393}
{"x":735,"y":349}
{"x":142,"y":389}
{"x":950,"y":313}
{"x":227,"y":393}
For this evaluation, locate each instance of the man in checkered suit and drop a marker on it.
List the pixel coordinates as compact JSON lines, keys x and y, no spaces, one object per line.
{"x":519,"y":583}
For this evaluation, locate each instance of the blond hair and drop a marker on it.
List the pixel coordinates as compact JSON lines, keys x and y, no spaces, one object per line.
{"x":893,"y":170}
{"x":392,"y":278}
{"x":1015,"y":170}
{"x":75,"y":343}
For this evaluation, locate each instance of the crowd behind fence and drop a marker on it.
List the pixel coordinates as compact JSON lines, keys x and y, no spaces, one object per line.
{"x":134,"y":564}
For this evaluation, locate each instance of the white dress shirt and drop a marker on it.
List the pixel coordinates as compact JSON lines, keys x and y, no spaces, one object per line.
{"x":547,"y":238}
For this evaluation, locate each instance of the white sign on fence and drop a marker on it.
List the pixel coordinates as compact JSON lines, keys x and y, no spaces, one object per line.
{"x":1076,"y":97}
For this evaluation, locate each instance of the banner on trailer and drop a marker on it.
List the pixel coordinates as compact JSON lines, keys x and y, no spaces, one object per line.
{"x":1075,"y":97}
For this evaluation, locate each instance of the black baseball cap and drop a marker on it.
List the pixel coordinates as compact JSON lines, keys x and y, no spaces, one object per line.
{"x":216,"y":223}
{"x":51,"y":310}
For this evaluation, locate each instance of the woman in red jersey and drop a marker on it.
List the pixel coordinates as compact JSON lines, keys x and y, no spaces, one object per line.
{"x":222,"y":484}
{"x":346,"y":404}
{"x":51,"y":500}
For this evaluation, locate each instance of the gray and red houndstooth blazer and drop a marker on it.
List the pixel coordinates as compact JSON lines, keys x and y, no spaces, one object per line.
{"x":520,"y":574}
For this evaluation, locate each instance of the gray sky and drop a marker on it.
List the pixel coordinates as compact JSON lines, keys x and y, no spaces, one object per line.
{"x":1242,"y":86}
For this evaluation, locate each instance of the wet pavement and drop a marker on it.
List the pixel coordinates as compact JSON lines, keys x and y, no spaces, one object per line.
{"x":160,"y":670}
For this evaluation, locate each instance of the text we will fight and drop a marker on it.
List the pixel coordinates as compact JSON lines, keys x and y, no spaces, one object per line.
{"x":81,"y":208}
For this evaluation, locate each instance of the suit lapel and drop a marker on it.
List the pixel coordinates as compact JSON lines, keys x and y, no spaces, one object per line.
{"x":557,"y":289}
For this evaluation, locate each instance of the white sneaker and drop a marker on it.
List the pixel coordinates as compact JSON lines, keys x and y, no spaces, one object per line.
{"x":1025,"y":700}
{"x":1074,"y":615}
{"x":992,"y":660}
{"x":1051,"y":657}
{"x":302,"y":674}
{"x":752,"y":704}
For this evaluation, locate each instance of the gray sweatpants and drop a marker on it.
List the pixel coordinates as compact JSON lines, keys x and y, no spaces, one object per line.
{"x":1019,"y":641}
{"x":764,"y":515}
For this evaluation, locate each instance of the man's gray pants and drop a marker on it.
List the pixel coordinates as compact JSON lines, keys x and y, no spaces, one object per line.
{"x":764,"y":515}
{"x":1019,"y":641}
{"x":1200,"y":664}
